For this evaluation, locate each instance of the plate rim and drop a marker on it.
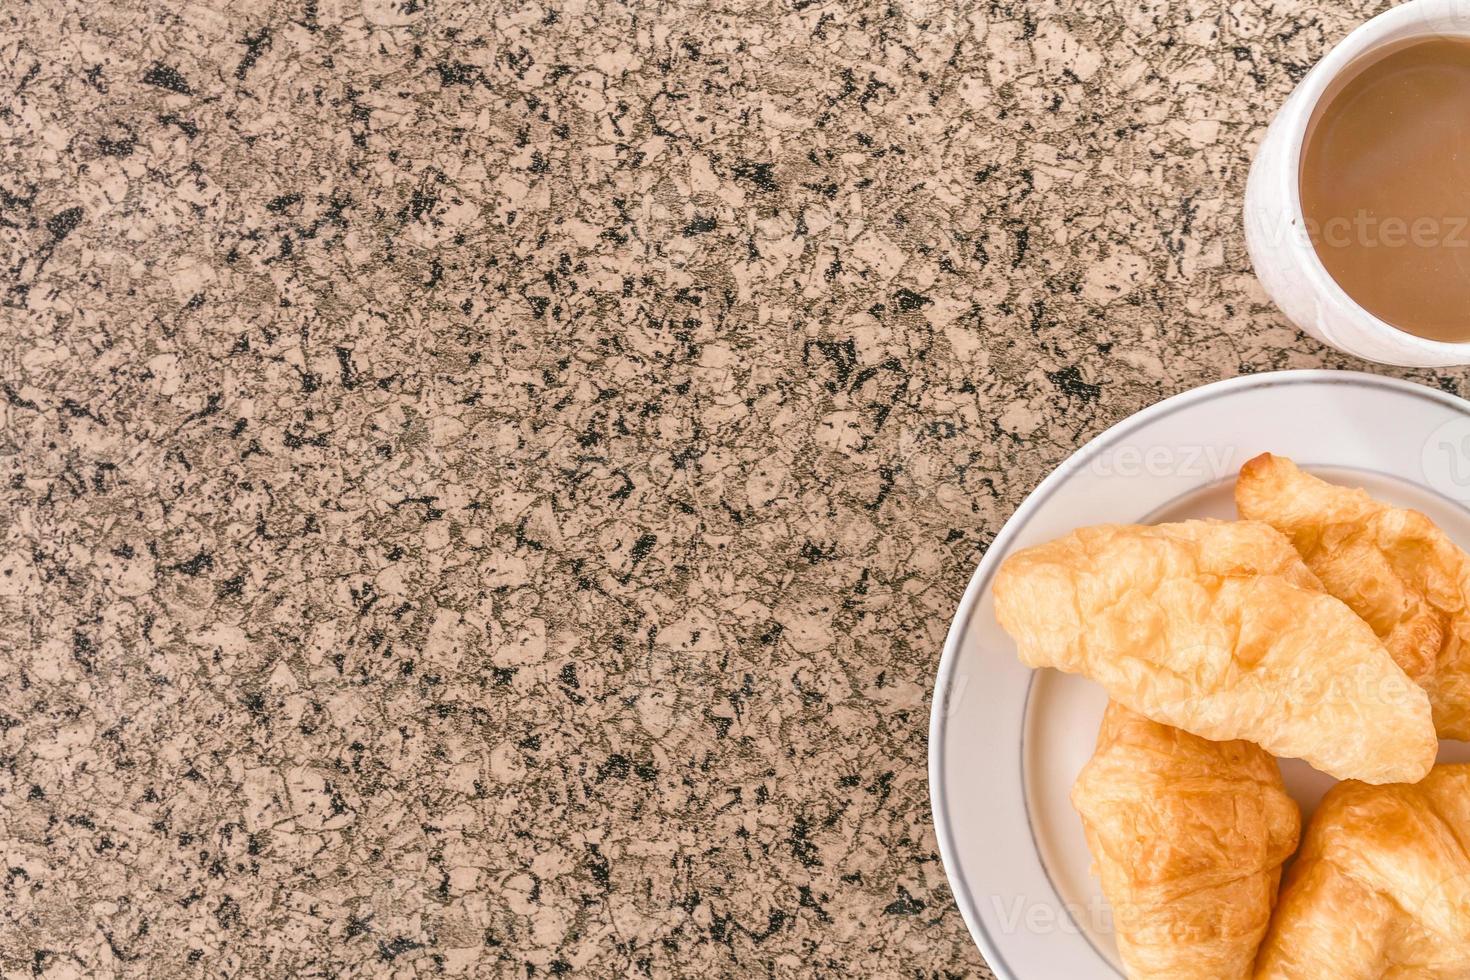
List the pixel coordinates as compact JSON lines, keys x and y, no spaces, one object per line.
{"x":984,"y":569}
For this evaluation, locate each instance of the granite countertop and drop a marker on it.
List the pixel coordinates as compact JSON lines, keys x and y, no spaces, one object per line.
{"x":485,"y":485}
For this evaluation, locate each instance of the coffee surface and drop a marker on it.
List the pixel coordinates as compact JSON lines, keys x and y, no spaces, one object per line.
{"x":1385,"y":185}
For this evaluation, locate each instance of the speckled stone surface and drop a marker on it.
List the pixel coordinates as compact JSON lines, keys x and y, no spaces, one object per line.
{"x":484,"y":486}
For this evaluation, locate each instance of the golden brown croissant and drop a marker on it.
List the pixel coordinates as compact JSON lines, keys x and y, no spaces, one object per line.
{"x":1393,"y":567}
{"x":1381,"y":887}
{"x":1188,"y":837}
{"x":1218,"y":628}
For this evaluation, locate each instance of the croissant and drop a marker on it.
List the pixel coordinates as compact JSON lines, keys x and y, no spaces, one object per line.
{"x":1393,"y":567}
{"x":1381,"y":887}
{"x":1218,"y":628}
{"x":1188,"y":837}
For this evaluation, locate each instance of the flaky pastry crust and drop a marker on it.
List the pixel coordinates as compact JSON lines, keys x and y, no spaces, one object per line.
{"x":1393,"y":567}
{"x":1218,"y":628}
{"x":1188,"y":837}
{"x":1381,"y":887}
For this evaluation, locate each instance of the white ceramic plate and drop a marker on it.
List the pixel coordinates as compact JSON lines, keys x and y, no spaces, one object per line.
{"x":1006,"y":742}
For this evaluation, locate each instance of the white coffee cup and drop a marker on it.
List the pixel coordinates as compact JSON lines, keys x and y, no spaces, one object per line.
{"x":1275,"y":228}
